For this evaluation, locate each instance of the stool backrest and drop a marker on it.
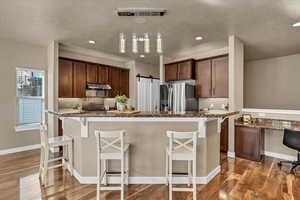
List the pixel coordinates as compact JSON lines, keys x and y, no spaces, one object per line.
{"x":110,"y":141}
{"x":182,"y":140}
{"x":44,"y":135}
{"x":291,"y":139}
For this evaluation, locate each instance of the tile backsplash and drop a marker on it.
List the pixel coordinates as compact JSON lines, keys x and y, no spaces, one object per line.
{"x":64,"y":103}
{"x":73,"y":102}
{"x":217,"y":102}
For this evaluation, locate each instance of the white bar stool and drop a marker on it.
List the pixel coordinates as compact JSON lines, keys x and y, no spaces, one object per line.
{"x":182,"y":146}
{"x":46,"y":143}
{"x":111,"y":146}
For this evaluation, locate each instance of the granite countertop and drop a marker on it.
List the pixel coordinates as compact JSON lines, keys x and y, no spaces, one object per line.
{"x":200,"y":114}
{"x":270,"y":124}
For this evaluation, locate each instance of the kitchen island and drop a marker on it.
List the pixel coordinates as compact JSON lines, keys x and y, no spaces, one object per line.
{"x":146,"y":133}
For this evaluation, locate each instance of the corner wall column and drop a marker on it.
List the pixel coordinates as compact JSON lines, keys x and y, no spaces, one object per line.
{"x":53,"y":87}
{"x":236,"y":83}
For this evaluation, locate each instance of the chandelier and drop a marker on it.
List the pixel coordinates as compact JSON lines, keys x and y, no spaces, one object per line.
{"x":144,"y":39}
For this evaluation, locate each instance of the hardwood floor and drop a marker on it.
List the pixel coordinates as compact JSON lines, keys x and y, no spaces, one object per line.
{"x":239,"y":179}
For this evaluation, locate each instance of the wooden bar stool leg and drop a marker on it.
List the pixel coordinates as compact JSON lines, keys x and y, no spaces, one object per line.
{"x":64,"y":163}
{"x":194,"y":181}
{"x":189,"y":173}
{"x":105,"y":172}
{"x":41,"y":162}
{"x":45,"y":163}
{"x":122,"y":177}
{"x":170,"y":179}
{"x":98,"y":178}
{"x":127,"y":167}
{"x":167,"y":168}
{"x":70,"y":156}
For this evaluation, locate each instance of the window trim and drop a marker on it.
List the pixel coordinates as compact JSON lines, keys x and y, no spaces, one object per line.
{"x":30,"y":126}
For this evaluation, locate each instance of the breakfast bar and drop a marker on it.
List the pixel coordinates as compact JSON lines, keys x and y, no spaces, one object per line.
{"x":146,"y":133}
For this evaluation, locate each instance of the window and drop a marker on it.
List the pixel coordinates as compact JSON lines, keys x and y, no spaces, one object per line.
{"x":30,"y":96}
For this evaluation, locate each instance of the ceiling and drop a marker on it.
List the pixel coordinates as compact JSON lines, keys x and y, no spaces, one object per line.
{"x":263,"y":25}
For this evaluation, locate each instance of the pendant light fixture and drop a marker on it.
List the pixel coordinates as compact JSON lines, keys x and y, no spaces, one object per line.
{"x":136,"y":39}
{"x":122,"y":43}
{"x":146,"y":43}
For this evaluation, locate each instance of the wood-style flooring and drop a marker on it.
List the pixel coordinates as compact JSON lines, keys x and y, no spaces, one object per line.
{"x":239,"y":179}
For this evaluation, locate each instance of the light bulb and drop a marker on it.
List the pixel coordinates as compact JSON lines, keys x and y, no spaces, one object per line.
{"x":122,"y":46}
{"x":146,"y":43}
{"x":159,"y":43}
{"x":134,"y":43}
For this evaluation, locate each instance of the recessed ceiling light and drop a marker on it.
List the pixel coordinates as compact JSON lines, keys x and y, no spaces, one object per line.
{"x":142,"y":56}
{"x":92,"y":42}
{"x":296,"y":24}
{"x":198,"y":38}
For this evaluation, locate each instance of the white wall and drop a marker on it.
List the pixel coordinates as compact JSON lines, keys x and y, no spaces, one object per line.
{"x":16,"y":54}
{"x":273,"y":83}
{"x":147,"y":69}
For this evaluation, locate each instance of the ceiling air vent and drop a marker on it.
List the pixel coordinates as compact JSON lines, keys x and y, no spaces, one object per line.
{"x":141,"y":12}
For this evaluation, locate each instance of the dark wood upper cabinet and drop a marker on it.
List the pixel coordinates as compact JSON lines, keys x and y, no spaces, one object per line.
{"x":203,"y":79}
{"x":65,"y":78}
{"x":224,"y":136}
{"x":212,"y":78}
{"x":79,"y":79}
{"x":74,"y":75}
{"x":103,"y":74}
{"x":220,"y":77}
{"x":186,"y":70}
{"x":249,"y":143}
{"x":114,"y":81}
{"x":124,"y":82}
{"x":91,"y":73}
{"x":183,"y":70}
{"x":171,"y":72}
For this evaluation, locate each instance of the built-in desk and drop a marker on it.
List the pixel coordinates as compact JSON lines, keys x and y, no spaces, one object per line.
{"x":250,"y":137}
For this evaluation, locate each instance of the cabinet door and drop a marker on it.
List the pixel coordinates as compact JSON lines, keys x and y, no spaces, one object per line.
{"x":224,"y":136}
{"x":220,"y":77}
{"x":103,"y":74}
{"x":65,"y":79}
{"x":79,"y":79}
{"x":248,"y":143}
{"x":91,"y":73}
{"x":171,"y":72}
{"x":124,"y":82}
{"x":114,"y":82}
{"x":185,"y":70}
{"x":203,"y":79}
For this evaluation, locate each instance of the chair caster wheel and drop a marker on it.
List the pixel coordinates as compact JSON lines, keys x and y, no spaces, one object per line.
{"x":279,"y":164}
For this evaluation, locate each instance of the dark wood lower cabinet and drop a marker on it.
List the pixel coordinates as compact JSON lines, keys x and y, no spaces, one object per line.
{"x":249,"y":143}
{"x":224,"y":137}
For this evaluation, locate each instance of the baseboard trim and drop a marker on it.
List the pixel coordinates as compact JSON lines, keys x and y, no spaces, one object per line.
{"x":148,"y":180}
{"x":280,"y":156}
{"x":20,"y":149}
{"x":212,"y":174}
{"x":231,"y":154}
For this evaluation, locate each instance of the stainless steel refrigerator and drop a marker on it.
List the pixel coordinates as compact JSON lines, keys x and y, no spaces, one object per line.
{"x":178,"y":97}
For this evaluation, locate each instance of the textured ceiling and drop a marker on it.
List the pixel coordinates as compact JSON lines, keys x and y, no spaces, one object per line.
{"x":263,"y":25}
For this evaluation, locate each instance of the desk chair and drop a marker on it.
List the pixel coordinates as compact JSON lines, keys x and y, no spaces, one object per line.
{"x":291,"y":139}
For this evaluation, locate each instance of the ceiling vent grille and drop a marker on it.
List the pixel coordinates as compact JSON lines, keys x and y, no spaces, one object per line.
{"x":135,"y":12}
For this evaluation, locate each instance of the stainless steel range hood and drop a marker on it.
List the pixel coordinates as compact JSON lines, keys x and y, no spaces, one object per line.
{"x":98,"y":86}
{"x":97,"y":90}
